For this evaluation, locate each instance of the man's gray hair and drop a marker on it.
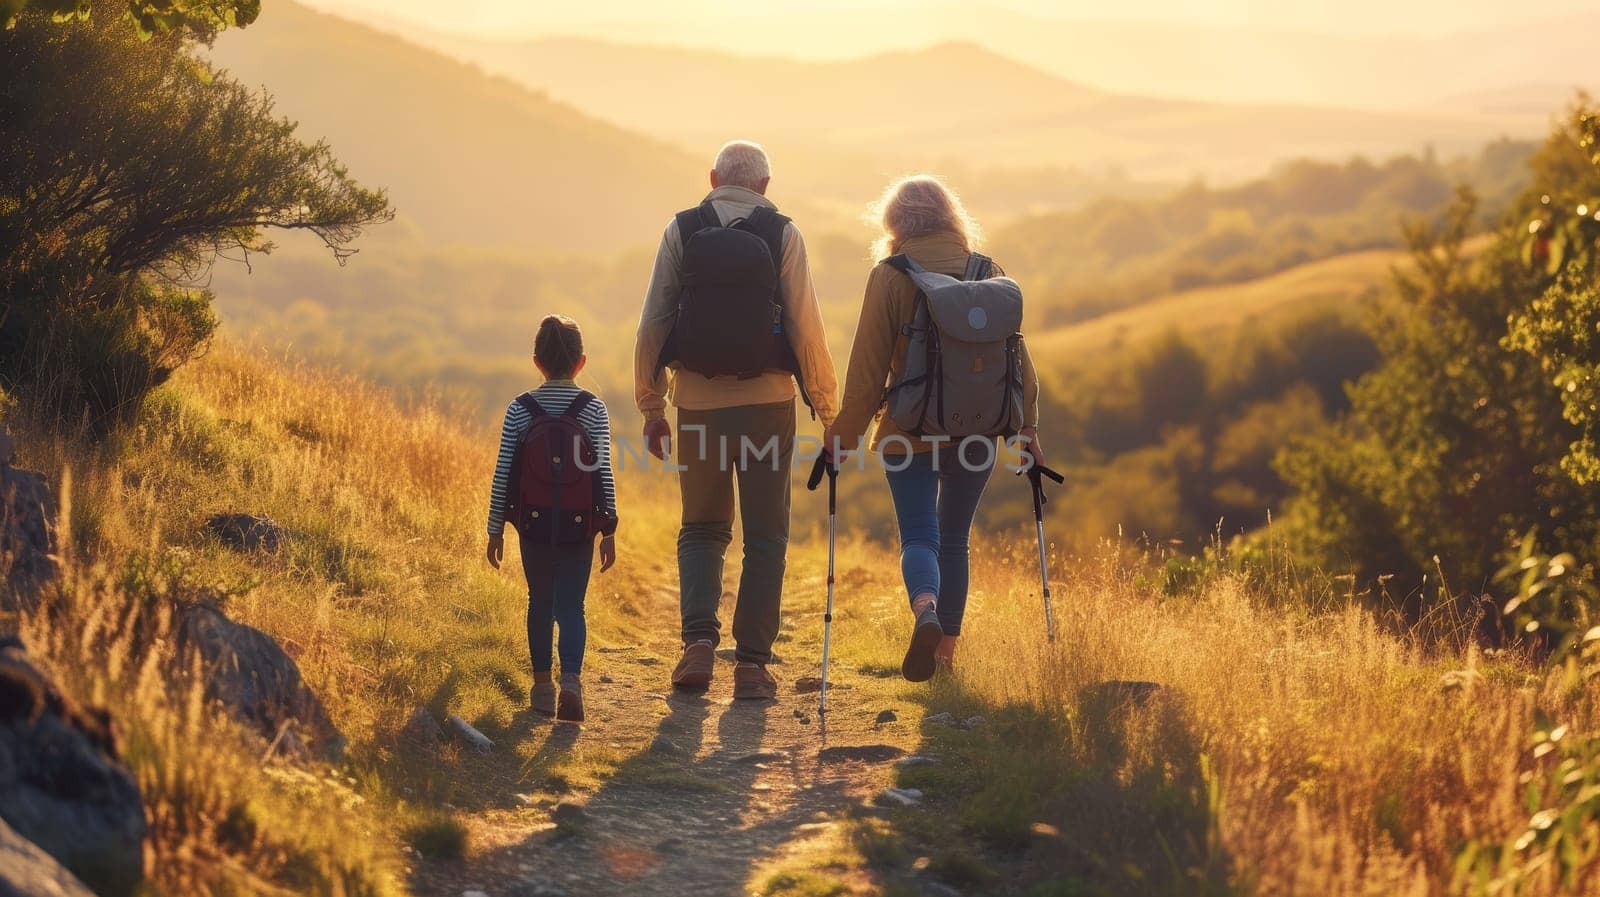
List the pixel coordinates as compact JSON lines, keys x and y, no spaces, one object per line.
{"x":741,"y":163}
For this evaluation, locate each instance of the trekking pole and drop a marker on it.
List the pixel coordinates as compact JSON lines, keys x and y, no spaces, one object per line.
{"x":1036,"y":474}
{"x":825,"y":465}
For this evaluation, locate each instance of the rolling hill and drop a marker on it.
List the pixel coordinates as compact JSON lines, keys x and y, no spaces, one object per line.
{"x":951,"y":102}
{"x":466,"y":157}
{"x":1374,"y":65}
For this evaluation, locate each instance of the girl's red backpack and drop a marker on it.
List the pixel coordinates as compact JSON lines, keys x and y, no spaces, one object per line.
{"x":555,"y":476}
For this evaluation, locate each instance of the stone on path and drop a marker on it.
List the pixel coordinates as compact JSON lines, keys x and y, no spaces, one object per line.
{"x":474,"y":894}
{"x":464,"y":730}
{"x":940,"y":719}
{"x":762,"y":757}
{"x":900,"y":797}
{"x":887,"y":716}
{"x":421,"y":729}
{"x":661,"y":744}
{"x":864,"y":753}
{"x":27,"y":537}
{"x":916,"y":760}
{"x":973,"y":722}
{"x":568,"y":812}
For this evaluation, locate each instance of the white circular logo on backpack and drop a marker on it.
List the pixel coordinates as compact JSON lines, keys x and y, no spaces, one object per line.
{"x":977,"y":319}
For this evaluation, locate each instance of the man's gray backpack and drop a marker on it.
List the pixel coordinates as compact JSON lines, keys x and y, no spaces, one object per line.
{"x":962,"y":371}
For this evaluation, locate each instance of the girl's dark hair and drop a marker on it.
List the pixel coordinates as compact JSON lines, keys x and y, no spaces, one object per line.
{"x":558,"y":346}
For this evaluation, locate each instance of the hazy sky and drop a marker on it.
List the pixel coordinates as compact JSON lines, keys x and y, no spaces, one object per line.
{"x":519,"y":17}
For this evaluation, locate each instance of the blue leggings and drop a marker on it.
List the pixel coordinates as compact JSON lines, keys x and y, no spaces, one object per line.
{"x":558,"y":577}
{"x":935,"y":499}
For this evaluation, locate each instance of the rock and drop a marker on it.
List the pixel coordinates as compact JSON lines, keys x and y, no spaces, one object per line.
{"x":246,"y":532}
{"x":474,"y":739}
{"x":887,"y":716}
{"x":864,"y":753}
{"x":899,"y":797}
{"x":473,"y":894}
{"x":762,"y":757}
{"x":257,"y":683}
{"x":973,"y":722}
{"x":916,"y":760}
{"x":568,"y":812}
{"x":27,"y":538}
{"x":63,"y":786}
{"x":806,"y":685}
{"x":940,"y":719}
{"x":661,"y":744}
{"x":421,"y":730}
{"x":27,"y":871}
{"x":606,"y":680}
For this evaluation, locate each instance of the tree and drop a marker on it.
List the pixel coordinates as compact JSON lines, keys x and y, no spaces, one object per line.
{"x":1452,"y":448}
{"x":132,"y":166}
{"x":149,"y":16}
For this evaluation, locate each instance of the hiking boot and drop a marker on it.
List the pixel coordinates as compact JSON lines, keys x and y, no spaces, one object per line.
{"x":569,"y":706}
{"x":542,"y":697}
{"x":694,"y":668}
{"x":919,"y":664}
{"x":944,"y":656}
{"x":752,"y":682}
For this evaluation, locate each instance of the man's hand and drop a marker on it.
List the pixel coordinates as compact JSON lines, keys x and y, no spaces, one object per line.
{"x":608,"y":552}
{"x":657,"y":436}
{"x":834,"y":457}
{"x":1029,"y":437}
{"x":497,"y":550}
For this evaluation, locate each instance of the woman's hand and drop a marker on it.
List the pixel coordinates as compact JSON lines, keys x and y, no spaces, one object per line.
{"x":497,"y":550}
{"x":828,"y":438}
{"x":608,"y":552}
{"x":1029,"y":437}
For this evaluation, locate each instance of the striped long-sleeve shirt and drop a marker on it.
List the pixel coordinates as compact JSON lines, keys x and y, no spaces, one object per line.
{"x":555,"y":396}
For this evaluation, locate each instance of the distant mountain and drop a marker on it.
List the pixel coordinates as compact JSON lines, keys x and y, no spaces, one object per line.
{"x":1397,"y":70}
{"x":466,"y":157}
{"x":949,"y":104}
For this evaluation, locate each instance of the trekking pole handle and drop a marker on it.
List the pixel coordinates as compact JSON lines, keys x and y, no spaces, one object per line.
{"x":824,"y":465}
{"x":1035,"y":471}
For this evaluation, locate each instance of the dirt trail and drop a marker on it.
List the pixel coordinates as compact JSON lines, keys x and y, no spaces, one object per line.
{"x":709,"y":791}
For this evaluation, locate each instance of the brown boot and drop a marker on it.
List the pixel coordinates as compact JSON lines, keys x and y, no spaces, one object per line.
{"x":752,"y":682}
{"x":569,"y":706}
{"x":542,"y":697}
{"x":944,"y":656}
{"x":694,"y":668}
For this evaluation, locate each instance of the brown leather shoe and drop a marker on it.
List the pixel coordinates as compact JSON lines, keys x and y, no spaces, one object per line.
{"x":694,"y":668}
{"x":752,"y":682}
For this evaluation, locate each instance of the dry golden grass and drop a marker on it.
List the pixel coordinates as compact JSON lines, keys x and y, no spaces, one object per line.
{"x":1287,"y":752}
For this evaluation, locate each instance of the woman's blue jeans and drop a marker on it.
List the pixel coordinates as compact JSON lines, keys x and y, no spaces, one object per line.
{"x":935,"y":499}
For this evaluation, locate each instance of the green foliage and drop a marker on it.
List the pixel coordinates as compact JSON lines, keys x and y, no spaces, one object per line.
{"x":1554,"y":600}
{"x":1558,"y":843}
{"x":1558,"y":330}
{"x":1455,"y":445}
{"x":1116,"y":252}
{"x":148,"y":16}
{"x":131,"y":167}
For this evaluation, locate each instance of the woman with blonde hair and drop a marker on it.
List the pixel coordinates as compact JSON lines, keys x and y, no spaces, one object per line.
{"x":936,"y":484}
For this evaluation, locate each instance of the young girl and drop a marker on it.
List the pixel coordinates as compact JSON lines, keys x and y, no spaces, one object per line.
{"x":557,"y":566}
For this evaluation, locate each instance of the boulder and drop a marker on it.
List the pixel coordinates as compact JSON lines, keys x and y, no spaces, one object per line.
{"x":27,"y":537}
{"x":63,"y":786}
{"x":246,"y":532}
{"x":257,"y":683}
{"x":27,"y":871}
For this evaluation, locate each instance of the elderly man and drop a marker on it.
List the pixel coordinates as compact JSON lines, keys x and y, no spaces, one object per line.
{"x":730,"y":322}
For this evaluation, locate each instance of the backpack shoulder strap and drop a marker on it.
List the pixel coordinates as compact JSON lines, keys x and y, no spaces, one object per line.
{"x":691,"y":220}
{"x":531,"y":405}
{"x":903,"y":263}
{"x":979,"y":267}
{"x":580,"y":402}
{"x":766,"y":223}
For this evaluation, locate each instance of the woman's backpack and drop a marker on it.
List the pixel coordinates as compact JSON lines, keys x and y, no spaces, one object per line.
{"x":555,"y":476}
{"x":962,"y":370}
